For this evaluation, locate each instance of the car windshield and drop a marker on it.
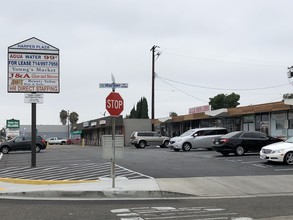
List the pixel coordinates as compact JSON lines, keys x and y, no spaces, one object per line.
{"x":12,"y":139}
{"x":289,"y":140}
{"x":187,"y":133}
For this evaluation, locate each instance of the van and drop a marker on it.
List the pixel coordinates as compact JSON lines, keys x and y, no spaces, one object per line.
{"x":196,"y":138}
{"x":140,"y":139}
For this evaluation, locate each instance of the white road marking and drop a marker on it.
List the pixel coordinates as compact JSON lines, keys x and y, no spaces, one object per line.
{"x":161,"y":213}
{"x":89,"y":171}
{"x":284,"y":169}
{"x":257,"y":161}
{"x":258,"y":165}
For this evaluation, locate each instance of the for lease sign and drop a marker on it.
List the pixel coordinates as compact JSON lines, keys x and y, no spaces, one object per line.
{"x":33,"y":66}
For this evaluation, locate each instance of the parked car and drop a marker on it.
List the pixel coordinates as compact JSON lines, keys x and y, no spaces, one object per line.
{"x":196,"y":138}
{"x":240,"y":142}
{"x":22,"y":143}
{"x":279,"y":152}
{"x":56,"y":140}
{"x":73,"y":141}
{"x":141,"y":139}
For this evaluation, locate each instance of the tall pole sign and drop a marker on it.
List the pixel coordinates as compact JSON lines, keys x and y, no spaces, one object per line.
{"x":114,"y":105}
{"x":33,"y":67}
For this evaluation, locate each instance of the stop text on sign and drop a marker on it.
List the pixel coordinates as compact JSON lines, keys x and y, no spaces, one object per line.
{"x":115,"y":104}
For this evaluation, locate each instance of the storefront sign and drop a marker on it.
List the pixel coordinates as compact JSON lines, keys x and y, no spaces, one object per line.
{"x":12,"y":123}
{"x":200,"y":109}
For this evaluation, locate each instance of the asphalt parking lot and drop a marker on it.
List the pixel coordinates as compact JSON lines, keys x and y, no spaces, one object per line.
{"x":151,"y":162}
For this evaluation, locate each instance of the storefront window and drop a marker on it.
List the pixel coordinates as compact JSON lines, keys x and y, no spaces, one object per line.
{"x":260,"y":119}
{"x":280,"y":124}
{"x":265,"y":117}
{"x":205,"y":123}
{"x":280,"y":120}
{"x":257,"y":122}
{"x":290,"y":120}
{"x":248,"y":118}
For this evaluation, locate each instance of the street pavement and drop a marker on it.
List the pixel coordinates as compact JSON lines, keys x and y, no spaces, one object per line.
{"x":25,"y":186}
{"x":149,"y":188}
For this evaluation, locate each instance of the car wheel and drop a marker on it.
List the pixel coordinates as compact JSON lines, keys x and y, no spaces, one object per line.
{"x":225,"y":153}
{"x":38,"y":148}
{"x":5,"y":150}
{"x":165,"y":144}
{"x":239,"y":151}
{"x":136,"y":145}
{"x":288,"y":159}
{"x":186,"y":147}
{"x":142,"y":144}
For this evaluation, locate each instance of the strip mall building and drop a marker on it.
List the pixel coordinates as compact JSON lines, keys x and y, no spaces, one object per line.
{"x":274,"y":118}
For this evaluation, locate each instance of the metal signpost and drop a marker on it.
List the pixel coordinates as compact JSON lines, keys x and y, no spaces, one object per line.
{"x":114,"y":105}
{"x":33,"y":67}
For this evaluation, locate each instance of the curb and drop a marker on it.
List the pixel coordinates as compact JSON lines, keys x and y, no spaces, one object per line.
{"x":91,"y":195}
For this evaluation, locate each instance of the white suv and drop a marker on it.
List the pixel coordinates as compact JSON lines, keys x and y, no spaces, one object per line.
{"x":196,"y":138}
{"x":140,"y":139}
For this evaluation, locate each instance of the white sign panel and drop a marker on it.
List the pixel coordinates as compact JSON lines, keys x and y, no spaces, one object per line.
{"x":33,"y":98}
{"x":107,"y":146}
{"x":33,"y":66}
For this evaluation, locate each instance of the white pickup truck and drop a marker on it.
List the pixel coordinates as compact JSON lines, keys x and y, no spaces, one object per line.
{"x":56,"y":140}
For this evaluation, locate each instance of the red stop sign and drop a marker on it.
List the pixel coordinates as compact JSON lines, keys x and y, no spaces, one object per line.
{"x":114,"y":104}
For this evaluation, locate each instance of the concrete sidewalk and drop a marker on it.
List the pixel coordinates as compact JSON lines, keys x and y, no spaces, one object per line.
{"x":197,"y":187}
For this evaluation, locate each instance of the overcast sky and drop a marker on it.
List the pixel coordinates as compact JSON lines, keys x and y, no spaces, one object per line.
{"x":208,"y":47}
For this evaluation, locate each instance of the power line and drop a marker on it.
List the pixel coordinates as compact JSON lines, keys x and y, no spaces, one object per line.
{"x":214,"y":88}
{"x":162,"y":79}
{"x":207,"y":59}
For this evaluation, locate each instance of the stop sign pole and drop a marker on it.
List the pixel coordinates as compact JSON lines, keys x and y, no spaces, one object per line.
{"x":114,"y":105}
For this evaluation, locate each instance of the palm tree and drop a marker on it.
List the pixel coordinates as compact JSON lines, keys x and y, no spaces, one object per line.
{"x":63,"y":117}
{"x":73,"y":118}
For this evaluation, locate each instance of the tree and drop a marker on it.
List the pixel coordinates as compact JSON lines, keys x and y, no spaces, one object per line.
{"x":132,"y":113}
{"x":63,"y":117}
{"x":172,"y":114}
{"x":73,"y":118}
{"x":288,"y":96}
{"x":224,"y":101}
{"x":144,"y":108}
{"x":141,"y":110}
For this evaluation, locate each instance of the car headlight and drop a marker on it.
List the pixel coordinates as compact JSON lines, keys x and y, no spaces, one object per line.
{"x":277,"y":151}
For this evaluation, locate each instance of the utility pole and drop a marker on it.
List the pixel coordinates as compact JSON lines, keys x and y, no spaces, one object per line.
{"x":153,"y":49}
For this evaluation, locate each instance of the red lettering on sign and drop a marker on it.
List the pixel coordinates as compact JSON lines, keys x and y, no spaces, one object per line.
{"x":15,"y":56}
